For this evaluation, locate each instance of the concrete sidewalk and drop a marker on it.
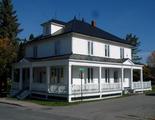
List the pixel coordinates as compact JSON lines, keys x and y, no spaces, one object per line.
{"x":20,"y":103}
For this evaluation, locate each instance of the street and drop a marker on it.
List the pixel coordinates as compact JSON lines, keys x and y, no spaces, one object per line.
{"x":137,"y":107}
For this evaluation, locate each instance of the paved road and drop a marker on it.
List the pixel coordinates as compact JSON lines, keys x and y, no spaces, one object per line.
{"x":138,"y":107}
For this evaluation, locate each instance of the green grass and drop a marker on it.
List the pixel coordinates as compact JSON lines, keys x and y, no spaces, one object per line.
{"x":152,"y":91}
{"x":50,"y":103}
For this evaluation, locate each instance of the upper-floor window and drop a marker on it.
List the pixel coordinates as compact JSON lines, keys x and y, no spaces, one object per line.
{"x":107,"y":51}
{"x":90,"y":48}
{"x":35,"y":51}
{"x":121,"y":53}
{"x":57,"y":47}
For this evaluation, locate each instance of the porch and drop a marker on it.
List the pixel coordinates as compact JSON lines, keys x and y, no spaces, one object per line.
{"x":76,"y":79}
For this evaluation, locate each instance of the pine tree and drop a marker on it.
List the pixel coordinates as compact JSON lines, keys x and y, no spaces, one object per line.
{"x":134,"y":40}
{"x":9,"y":26}
{"x":31,"y":36}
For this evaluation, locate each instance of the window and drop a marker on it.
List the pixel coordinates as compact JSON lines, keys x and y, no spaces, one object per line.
{"x":121,"y":53}
{"x":90,"y":48}
{"x":90,"y":75}
{"x":107,"y":76}
{"x":39,"y":75}
{"x":57,"y":75}
{"x":57,"y":47}
{"x":35,"y":51}
{"x":115,"y":76}
{"x":16,"y":75}
{"x":107,"y":51}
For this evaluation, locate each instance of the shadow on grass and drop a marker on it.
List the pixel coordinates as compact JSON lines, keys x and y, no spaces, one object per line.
{"x":150,"y":94}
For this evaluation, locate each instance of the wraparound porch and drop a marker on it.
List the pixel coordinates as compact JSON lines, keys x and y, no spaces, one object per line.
{"x":75,"y":79}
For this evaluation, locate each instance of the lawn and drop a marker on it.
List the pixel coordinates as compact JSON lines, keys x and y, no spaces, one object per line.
{"x":152,"y":92}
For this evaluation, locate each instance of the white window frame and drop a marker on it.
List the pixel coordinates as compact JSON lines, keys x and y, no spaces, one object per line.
{"x":35,"y":51}
{"x":121,"y":53}
{"x":57,"y":47}
{"x":90,"y":48}
{"x":107,"y":50}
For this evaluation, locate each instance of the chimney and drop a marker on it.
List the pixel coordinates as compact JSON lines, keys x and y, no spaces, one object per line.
{"x":93,"y":23}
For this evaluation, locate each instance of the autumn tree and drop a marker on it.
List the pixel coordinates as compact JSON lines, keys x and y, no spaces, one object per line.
{"x":151,"y":59}
{"x":9,"y":30}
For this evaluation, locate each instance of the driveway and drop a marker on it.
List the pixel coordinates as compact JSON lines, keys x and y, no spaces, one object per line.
{"x":139,"y":107}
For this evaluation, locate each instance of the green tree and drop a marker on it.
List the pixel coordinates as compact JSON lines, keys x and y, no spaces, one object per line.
{"x":134,"y":40}
{"x":9,"y":29}
{"x":9,"y":26}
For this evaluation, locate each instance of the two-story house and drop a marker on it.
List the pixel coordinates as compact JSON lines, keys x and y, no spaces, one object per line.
{"x":76,"y":60}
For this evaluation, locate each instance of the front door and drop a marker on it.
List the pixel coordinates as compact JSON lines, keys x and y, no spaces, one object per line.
{"x":26,"y":78}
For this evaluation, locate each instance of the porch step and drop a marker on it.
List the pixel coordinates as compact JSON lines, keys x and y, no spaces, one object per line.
{"x":23,"y":94}
{"x":128,"y":90}
{"x":14,"y":92}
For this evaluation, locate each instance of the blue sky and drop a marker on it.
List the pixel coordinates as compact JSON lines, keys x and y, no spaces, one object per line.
{"x":115,"y":16}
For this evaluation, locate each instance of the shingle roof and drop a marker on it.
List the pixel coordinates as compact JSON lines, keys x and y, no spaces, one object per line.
{"x":77,"y":57}
{"x":84,"y":28}
{"x":55,"y":21}
{"x":78,"y":26}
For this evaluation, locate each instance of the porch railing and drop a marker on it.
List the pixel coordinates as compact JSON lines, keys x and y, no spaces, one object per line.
{"x":57,"y":89}
{"x":147,"y":85}
{"x":85,"y":88}
{"x":110,"y":86}
{"x":138,"y":85}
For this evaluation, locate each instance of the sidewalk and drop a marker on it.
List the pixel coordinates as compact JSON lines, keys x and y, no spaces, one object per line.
{"x":20,"y":103}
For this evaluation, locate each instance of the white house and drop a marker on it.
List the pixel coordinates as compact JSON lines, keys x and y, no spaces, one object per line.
{"x":76,"y":60}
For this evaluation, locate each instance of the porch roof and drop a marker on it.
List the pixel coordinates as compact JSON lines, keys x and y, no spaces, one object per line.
{"x":77,"y":57}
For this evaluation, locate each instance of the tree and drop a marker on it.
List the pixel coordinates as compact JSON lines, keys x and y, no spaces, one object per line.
{"x":9,"y":29}
{"x":9,"y":26}
{"x":8,"y":54}
{"x":134,"y":40}
{"x":151,"y":59}
{"x":151,"y":65}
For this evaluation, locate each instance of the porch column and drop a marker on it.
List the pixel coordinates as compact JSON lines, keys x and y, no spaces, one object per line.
{"x":99,"y":82}
{"x":20,"y":78}
{"x":122,"y":78}
{"x":31,"y":77}
{"x":69,"y":69}
{"x":47,"y":77}
{"x":131,"y":78}
{"x":141,"y":77}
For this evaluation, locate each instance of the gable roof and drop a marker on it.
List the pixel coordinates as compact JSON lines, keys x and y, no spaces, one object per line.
{"x":78,"y":26}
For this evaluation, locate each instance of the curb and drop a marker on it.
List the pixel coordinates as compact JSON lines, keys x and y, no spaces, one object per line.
{"x":11,"y":104}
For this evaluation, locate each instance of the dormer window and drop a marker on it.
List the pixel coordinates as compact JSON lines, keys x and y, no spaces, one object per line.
{"x":121,"y":53}
{"x":90,"y":48}
{"x":107,"y":51}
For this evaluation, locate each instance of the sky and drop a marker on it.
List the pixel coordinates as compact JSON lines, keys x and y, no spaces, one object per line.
{"x":118,"y":17}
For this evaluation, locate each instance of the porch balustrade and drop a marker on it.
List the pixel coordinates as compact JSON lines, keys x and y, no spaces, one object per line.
{"x":110,"y":86}
{"x":86,"y":88}
{"x":57,"y":89}
{"x":138,"y":85}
